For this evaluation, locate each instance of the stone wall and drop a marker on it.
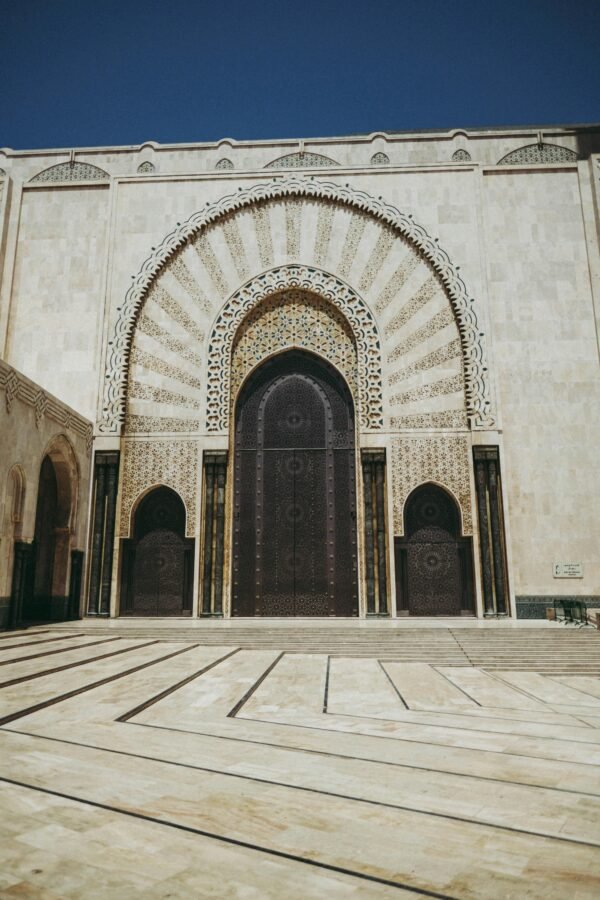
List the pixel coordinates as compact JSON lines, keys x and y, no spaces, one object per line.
{"x":474,"y":256}
{"x":33,"y":423}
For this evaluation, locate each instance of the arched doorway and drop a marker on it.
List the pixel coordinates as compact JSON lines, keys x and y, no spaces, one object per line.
{"x":157,"y":573}
{"x":434,"y":564}
{"x":294,"y":532}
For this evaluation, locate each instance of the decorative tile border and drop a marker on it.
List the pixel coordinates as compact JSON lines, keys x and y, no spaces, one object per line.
{"x":534,"y":607}
{"x":17,"y":387}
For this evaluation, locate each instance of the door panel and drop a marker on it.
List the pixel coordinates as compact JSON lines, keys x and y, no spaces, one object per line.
{"x":158,"y":560}
{"x":433,"y":562}
{"x":294,"y":495}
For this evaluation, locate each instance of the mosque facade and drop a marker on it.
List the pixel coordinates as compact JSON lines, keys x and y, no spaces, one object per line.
{"x":353,"y":377}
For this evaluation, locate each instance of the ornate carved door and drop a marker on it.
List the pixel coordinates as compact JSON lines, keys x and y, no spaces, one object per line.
{"x":433,"y":563}
{"x":157,"y":563}
{"x":294,"y":492}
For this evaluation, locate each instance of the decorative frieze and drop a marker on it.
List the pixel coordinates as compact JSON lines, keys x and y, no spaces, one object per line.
{"x":17,"y":387}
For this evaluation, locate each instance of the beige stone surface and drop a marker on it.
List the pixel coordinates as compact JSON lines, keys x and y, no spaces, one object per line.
{"x":214,"y":771}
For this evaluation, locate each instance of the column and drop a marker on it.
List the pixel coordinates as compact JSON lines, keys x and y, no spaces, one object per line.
{"x":22,"y":581}
{"x":213,"y":548}
{"x":492,"y":540}
{"x":375,"y":532}
{"x":106,"y":479}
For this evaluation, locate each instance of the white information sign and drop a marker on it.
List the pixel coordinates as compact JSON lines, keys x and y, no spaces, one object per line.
{"x":568,"y":570}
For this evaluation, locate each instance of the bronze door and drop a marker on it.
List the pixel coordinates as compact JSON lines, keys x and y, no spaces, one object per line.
{"x":158,"y":561}
{"x":294,"y":492}
{"x":433,"y":563}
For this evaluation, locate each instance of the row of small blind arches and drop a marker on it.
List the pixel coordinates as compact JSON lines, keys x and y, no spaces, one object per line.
{"x":532,"y":153}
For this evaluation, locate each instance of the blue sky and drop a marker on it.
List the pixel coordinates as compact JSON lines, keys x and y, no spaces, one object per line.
{"x":80,"y":74}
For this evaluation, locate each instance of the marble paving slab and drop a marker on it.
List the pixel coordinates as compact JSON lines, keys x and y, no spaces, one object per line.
{"x":174,"y":770}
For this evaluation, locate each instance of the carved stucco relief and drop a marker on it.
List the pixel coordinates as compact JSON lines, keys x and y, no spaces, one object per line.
{"x":337,"y":294}
{"x":419,"y":250}
{"x":443,"y":460}
{"x":293,"y":319}
{"x":173,"y":463}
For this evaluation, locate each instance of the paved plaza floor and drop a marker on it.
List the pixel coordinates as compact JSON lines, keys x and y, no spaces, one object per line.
{"x":132,"y":766}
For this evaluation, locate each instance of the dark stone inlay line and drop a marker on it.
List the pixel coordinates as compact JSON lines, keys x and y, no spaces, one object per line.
{"x":538,"y":737}
{"x":584,"y":709}
{"x":8,"y":662}
{"x":233,"y":712}
{"x":175,"y":687}
{"x":71,"y":665}
{"x":469,"y":715}
{"x":462,"y":649}
{"x":12,"y":634}
{"x":367,"y":759}
{"x":458,"y":688}
{"x":407,"y":740}
{"x":311,"y":790}
{"x":62,"y":637}
{"x":393,"y":684}
{"x":573,"y":688}
{"x":326,"y":692}
{"x":90,"y":687}
{"x":234,"y":841}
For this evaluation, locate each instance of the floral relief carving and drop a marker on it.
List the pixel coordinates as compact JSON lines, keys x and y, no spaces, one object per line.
{"x":537,"y":154}
{"x":301,"y":160}
{"x":430,"y":361}
{"x":443,"y":460}
{"x":71,"y":171}
{"x":380,"y":159}
{"x":332,"y":290}
{"x":423,"y":247}
{"x":440,"y":320}
{"x":293,"y":319}
{"x":173,"y":463}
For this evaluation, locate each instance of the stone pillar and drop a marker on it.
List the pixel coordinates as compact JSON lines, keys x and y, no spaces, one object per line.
{"x":491,"y":530}
{"x":75,"y":584}
{"x":484,"y":538}
{"x":375,"y":532}
{"x":213,"y":547}
{"x":22,"y":581}
{"x":106,"y":472}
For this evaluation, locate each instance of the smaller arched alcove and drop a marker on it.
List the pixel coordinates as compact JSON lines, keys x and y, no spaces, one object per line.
{"x":47,"y":596}
{"x":434,"y":563}
{"x":157,"y":569}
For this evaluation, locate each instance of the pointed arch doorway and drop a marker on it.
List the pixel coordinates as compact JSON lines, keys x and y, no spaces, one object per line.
{"x":294,"y":509}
